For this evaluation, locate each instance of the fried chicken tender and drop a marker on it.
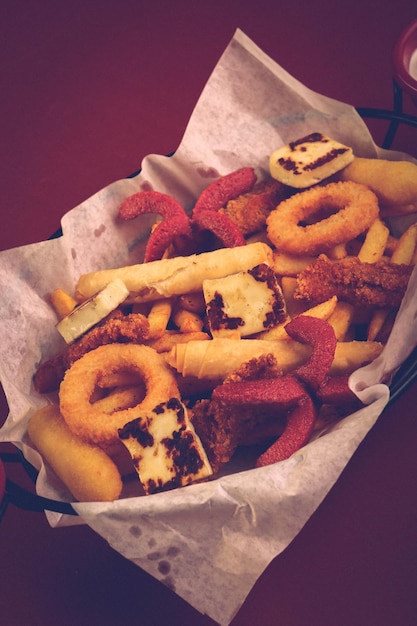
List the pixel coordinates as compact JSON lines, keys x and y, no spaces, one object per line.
{"x":380,"y":284}
{"x":249,"y":211}
{"x":133,"y":328}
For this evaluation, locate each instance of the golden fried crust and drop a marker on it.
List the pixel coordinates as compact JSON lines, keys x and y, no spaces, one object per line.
{"x":292,"y":228}
{"x":223,"y":428}
{"x":132,"y":328}
{"x":393,"y":182}
{"x":249,"y":211}
{"x":379,"y":284}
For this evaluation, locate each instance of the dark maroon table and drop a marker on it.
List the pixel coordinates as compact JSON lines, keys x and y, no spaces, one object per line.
{"x":88,"y":89}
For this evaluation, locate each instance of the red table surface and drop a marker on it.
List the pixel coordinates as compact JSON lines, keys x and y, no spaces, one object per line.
{"x":87,"y":90}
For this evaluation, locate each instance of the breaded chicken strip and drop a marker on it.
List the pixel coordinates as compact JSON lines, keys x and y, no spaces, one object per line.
{"x":249,"y":210}
{"x":121,"y":328}
{"x":381,"y":284}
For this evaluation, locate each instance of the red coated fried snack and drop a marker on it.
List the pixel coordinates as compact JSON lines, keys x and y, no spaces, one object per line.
{"x":219,"y":225}
{"x":176,"y":222}
{"x":225,"y":188}
{"x":300,"y":424}
{"x":320,"y":336}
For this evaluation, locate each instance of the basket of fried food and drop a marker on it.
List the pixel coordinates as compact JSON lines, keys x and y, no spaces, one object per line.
{"x":240,"y":329}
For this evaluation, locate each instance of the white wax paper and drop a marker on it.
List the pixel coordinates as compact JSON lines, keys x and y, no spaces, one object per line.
{"x":208,"y":542}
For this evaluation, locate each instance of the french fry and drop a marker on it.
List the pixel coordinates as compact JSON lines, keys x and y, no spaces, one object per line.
{"x":187,"y":321}
{"x":323,"y":311}
{"x":120,"y":399}
{"x":406,"y":246}
{"x":62,"y":303}
{"x":193,"y":302}
{"x":294,"y":307}
{"x":403,"y":254}
{"x":350,"y":355}
{"x":172,"y":337}
{"x":375,"y":243}
{"x":158,"y":317}
{"x":341,"y":319}
{"x":337,"y":252}
{"x":288,"y":264}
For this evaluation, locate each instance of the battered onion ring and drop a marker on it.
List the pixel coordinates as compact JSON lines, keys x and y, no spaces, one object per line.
{"x":357,"y":207}
{"x":95,"y":425}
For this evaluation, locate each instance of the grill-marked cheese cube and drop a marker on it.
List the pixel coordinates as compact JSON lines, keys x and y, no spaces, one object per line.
{"x":92,"y":311}
{"x":165,"y":449}
{"x":248,"y":302}
{"x":309,"y":160}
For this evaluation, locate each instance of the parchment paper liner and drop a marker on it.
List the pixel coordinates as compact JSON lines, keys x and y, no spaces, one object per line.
{"x":208,"y":542}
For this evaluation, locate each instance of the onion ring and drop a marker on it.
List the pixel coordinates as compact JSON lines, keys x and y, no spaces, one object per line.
{"x":357,"y":207}
{"x":95,"y":425}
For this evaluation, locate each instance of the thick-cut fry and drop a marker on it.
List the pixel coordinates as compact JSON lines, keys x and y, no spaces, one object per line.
{"x":402,"y":254}
{"x":85,"y":469}
{"x":337,"y":252}
{"x":172,"y":337}
{"x":62,"y":303}
{"x":187,"y":322}
{"x":350,"y":355}
{"x":193,"y":302}
{"x":158,"y":317}
{"x":120,"y":399}
{"x":294,"y":307}
{"x":288,"y":264}
{"x":406,"y":246}
{"x":322,"y":311}
{"x":341,"y":319}
{"x":375,"y":242}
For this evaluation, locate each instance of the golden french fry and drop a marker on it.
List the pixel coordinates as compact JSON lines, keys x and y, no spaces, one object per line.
{"x":337,"y":252}
{"x":288,"y":264}
{"x":294,"y":307}
{"x":193,"y":302}
{"x":187,"y":322}
{"x":172,"y":337}
{"x":341,"y":319}
{"x":323,"y":311}
{"x":158,"y":317}
{"x":403,"y":254}
{"x":350,"y":355}
{"x":121,"y":398}
{"x":375,"y":242}
{"x":62,"y":303}
{"x":406,"y":246}
{"x":375,"y":325}
{"x":86,"y":470}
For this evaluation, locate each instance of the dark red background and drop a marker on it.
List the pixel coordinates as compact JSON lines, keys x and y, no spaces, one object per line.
{"x":87,"y":90}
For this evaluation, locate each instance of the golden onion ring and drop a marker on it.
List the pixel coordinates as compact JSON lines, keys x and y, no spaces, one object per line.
{"x":356,"y":208}
{"x":94,"y":424}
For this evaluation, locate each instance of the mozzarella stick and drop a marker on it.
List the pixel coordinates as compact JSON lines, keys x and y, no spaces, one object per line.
{"x":86,"y":470}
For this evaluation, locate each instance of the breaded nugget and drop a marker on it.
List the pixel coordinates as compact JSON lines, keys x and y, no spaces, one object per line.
{"x":393,"y":182}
